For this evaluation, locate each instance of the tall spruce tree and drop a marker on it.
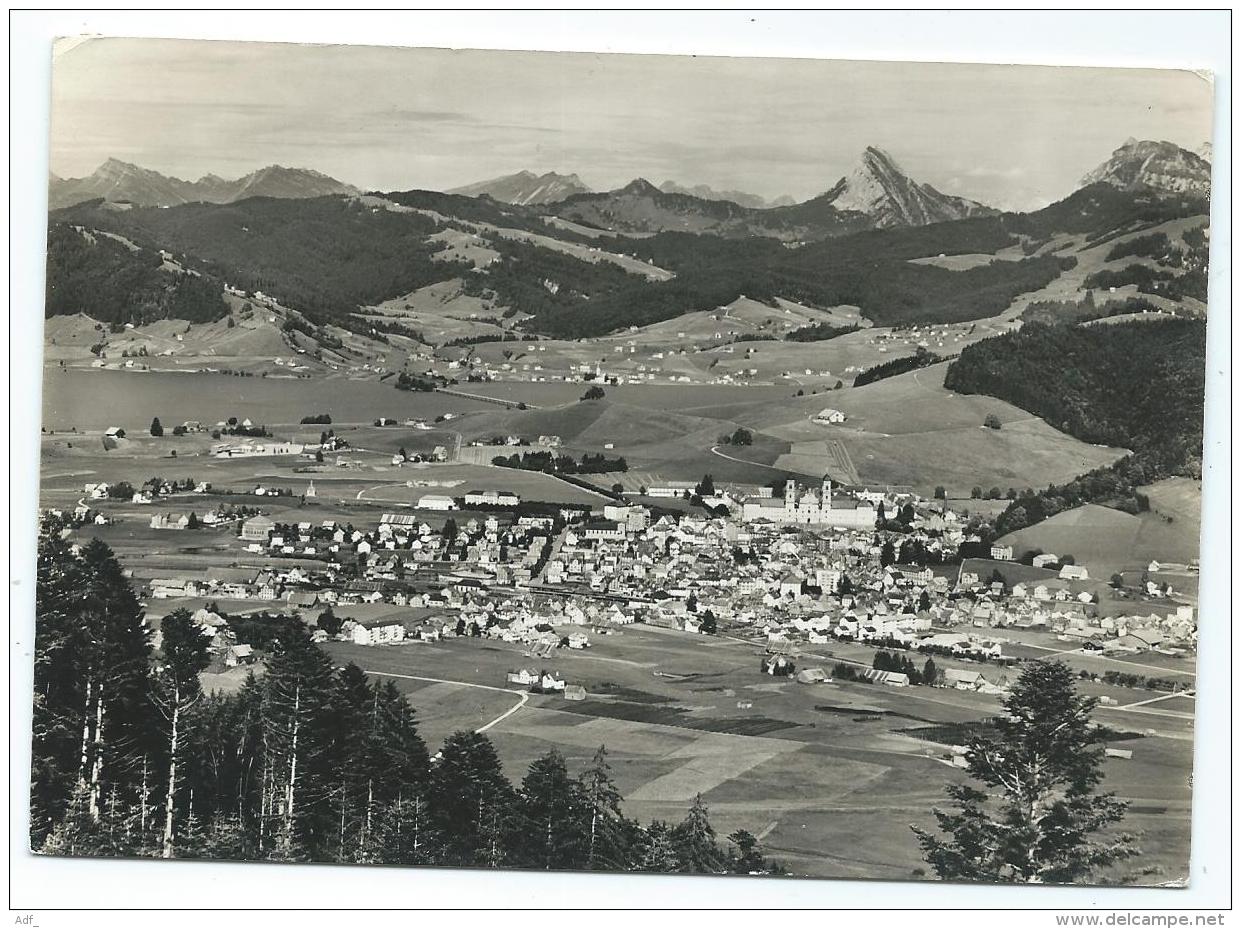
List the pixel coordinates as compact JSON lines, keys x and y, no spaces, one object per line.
{"x":297,"y":727}
{"x":1039,"y":818}
{"x":693,"y":840}
{"x":471,"y":802}
{"x":548,"y":833}
{"x":183,"y":655}
{"x":607,"y":840}
{"x":92,"y":717}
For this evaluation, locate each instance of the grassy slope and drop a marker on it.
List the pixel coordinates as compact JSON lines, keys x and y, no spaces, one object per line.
{"x":1107,"y":540}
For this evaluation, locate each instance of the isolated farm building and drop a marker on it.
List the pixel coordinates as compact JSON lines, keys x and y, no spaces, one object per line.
{"x":574,"y":692}
{"x":257,"y":528}
{"x":777,"y":666}
{"x":829,"y":417}
{"x":114,"y":432}
{"x":813,"y":676}
{"x":1045,"y":560}
{"x":239,"y":654}
{"x":437,"y":502}
{"x":1073,"y":572}
{"x":170,"y":521}
{"x":963,"y":680}
{"x":891,"y":678}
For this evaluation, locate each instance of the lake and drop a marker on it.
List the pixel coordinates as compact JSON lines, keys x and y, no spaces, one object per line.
{"x":95,"y":399}
{"x":89,"y":398}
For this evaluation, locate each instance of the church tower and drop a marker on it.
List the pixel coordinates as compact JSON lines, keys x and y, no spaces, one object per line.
{"x":825,"y":496}
{"x":790,"y":498}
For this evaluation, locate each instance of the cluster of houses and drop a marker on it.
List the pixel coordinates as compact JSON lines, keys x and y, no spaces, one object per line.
{"x":797,"y":582}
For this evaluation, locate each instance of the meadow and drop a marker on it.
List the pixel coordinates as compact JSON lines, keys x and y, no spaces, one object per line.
{"x":831,"y":793}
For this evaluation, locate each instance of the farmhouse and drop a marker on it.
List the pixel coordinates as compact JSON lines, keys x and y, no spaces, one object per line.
{"x":829,"y":417}
{"x":170,"y":521}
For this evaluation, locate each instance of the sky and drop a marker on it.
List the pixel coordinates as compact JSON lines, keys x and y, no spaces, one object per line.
{"x":1014,"y":137}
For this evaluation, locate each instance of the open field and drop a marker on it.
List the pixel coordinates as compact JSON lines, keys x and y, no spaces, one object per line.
{"x":833,"y":793}
{"x":1107,"y":541}
{"x":908,"y":430}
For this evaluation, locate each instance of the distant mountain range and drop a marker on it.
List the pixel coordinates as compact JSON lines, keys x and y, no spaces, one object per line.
{"x":525,"y":188}
{"x":740,"y":197}
{"x":876,"y":194}
{"x":120,"y":182}
{"x":1158,"y":166}
{"x":862,"y":243}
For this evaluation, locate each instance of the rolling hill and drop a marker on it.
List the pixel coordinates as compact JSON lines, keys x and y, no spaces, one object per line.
{"x":330,"y":257}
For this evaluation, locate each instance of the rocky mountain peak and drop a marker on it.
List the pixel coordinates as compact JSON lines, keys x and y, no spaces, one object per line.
{"x":1159,"y":166}
{"x":879,"y":187}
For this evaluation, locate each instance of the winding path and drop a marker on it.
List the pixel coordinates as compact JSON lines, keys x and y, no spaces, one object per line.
{"x":525,"y":697}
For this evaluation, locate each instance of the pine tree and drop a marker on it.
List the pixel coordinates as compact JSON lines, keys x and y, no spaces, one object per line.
{"x":184,"y":656}
{"x":470,"y":801}
{"x":296,"y":719}
{"x":694,"y":842}
{"x":658,"y":849}
{"x":1039,"y":818}
{"x":549,"y":820}
{"x":606,"y":845}
{"x":92,"y":716}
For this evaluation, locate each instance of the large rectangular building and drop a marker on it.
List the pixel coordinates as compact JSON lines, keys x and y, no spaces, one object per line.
{"x":810,"y":509}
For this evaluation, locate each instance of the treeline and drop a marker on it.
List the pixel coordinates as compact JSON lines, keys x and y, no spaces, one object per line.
{"x":1156,"y":245}
{"x":324,"y":256}
{"x":110,"y":282}
{"x":306,"y":762}
{"x":423,"y":382}
{"x":818,"y":332}
{"x":328,"y":256}
{"x":1137,"y":385}
{"x":1191,"y":283}
{"x":1071,"y":312}
{"x":919,"y":359}
{"x":552,"y":463}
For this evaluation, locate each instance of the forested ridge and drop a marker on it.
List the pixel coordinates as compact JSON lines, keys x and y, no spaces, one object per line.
{"x":98,"y":275}
{"x":306,"y":762}
{"x":1138,"y":385}
{"x":327,"y":256}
